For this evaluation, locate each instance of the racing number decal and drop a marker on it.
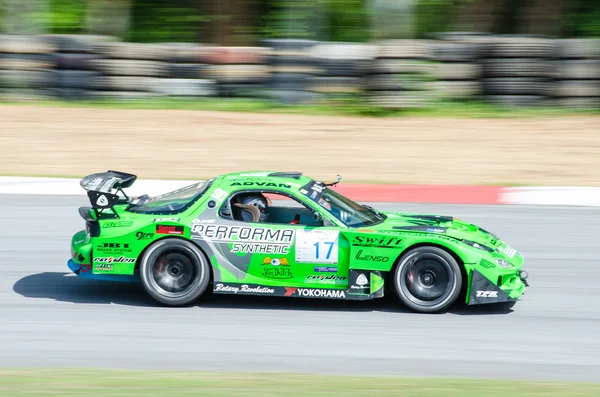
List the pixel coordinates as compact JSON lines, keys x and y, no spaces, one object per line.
{"x":317,"y":246}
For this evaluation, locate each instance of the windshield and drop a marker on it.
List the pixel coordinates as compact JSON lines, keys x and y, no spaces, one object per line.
{"x":175,"y":201}
{"x":349,"y":212}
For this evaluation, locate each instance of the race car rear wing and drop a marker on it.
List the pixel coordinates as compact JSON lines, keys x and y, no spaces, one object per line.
{"x":101,"y":188}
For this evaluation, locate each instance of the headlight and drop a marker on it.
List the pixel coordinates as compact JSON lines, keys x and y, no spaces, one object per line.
{"x":477,"y":245}
{"x":504,"y":264}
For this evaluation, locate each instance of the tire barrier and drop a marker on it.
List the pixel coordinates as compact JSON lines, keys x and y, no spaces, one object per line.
{"x":238,"y":71}
{"x":293,"y":69}
{"x":395,"y":74}
{"x":458,"y":67}
{"x":401,"y":74}
{"x":518,"y":70}
{"x":341,"y":68}
{"x":577,"y":73}
{"x":27,"y":64}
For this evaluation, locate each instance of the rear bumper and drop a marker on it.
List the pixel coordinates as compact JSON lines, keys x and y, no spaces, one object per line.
{"x":85,"y":271}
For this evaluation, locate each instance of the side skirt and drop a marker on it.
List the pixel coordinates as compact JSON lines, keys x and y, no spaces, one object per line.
{"x":363,"y":285}
{"x":483,"y":291}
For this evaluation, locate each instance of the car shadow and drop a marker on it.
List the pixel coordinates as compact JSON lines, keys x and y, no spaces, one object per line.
{"x":66,"y":287}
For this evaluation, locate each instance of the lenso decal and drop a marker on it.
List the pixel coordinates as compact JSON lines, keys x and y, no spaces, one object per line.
{"x":247,"y":239}
{"x":371,"y":258}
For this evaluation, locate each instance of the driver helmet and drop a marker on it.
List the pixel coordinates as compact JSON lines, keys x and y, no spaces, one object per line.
{"x":259,"y":201}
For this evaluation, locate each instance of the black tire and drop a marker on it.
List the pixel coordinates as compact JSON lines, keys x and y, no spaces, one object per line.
{"x":438,"y":276}
{"x":173,"y":259}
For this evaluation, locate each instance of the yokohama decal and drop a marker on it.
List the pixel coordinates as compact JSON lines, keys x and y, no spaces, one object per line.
{"x":321,"y":293}
{"x":253,"y":289}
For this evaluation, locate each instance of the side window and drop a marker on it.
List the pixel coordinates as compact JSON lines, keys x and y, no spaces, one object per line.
{"x":269,"y":207}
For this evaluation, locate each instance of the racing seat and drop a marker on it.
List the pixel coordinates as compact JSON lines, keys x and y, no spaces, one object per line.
{"x":247,"y":213}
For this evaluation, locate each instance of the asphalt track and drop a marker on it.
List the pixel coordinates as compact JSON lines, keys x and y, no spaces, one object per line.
{"x":49,"y":318}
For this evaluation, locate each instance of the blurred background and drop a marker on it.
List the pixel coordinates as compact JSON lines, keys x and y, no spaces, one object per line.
{"x":384,"y":53}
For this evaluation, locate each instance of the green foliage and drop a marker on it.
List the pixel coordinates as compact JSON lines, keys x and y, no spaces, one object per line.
{"x":583,"y":19}
{"x":324,"y":20}
{"x":172,"y":21}
{"x":433,"y":16}
{"x":67,"y":16}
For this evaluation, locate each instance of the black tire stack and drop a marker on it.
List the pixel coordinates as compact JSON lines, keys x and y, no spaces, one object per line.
{"x":458,"y":67}
{"x":577,"y":73}
{"x":342,"y":68}
{"x":75,"y":76}
{"x":292,"y":71}
{"x":186,"y":72}
{"x":401,"y":74}
{"x":238,"y":71}
{"x":26,"y":67}
{"x":518,"y":70}
{"x":130,"y":70}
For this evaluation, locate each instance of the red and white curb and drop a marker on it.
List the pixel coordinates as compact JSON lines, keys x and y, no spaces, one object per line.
{"x":440,"y":194}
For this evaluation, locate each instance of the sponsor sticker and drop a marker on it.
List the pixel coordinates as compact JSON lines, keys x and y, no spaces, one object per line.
{"x":243,"y":289}
{"x":266,"y":184}
{"x":325,"y":269}
{"x":276,"y":268}
{"x":219,"y":194}
{"x":359,"y":281}
{"x":321,"y":293}
{"x":111,"y":259}
{"x":117,"y":224}
{"x":164,"y":229}
{"x":245,"y":239}
{"x":113,"y":248}
{"x":371,"y":258}
{"x":379,"y":242}
{"x":317,"y":246}
{"x":325,"y":279}
{"x":144,"y":236}
{"x":156,"y":220}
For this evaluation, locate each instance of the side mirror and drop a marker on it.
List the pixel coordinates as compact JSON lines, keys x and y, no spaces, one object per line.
{"x":318,"y":217}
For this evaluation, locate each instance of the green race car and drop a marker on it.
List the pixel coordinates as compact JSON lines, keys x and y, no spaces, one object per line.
{"x":285,"y":234}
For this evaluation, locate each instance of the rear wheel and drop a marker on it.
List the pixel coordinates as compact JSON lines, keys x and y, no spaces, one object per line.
{"x":428,"y":279}
{"x":174,"y":272}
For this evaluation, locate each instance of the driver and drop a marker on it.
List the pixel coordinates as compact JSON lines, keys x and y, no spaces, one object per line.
{"x":256,"y":200}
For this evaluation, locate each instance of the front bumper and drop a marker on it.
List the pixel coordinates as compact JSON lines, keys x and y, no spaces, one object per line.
{"x":484,"y":291}
{"x":86,"y":271}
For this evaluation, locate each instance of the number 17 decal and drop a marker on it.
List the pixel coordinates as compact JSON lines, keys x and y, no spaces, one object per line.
{"x":317,"y":246}
{"x":329,"y":243}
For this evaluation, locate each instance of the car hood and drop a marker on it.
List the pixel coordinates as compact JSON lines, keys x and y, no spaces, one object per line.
{"x":437,"y":224}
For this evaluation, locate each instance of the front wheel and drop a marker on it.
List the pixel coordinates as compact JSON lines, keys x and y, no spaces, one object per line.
{"x":174,"y":272}
{"x":428,"y":279}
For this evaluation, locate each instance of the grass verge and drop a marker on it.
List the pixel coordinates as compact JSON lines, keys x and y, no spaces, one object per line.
{"x":133,"y":383}
{"x":332,"y":107}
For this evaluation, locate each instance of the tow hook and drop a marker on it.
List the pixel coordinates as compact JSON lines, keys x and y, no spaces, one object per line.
{"x":523,"y":276}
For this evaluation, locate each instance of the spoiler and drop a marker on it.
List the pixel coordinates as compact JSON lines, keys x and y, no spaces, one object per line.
{"x":101,"y":188}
